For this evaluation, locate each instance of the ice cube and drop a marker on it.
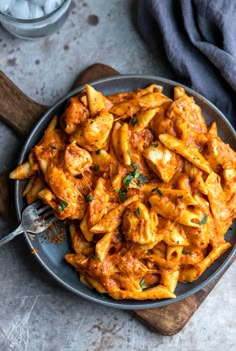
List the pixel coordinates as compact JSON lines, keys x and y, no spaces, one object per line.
{"x":35,"y":11}
{"x":5,"y":5}
{"x":20,"y":9}
{"x":51,"y":5}
{"x":40,"y":3}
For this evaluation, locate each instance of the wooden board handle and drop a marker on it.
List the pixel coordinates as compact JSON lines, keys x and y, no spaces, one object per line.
{"x":17,"y":109}
{"x":21,"y":112}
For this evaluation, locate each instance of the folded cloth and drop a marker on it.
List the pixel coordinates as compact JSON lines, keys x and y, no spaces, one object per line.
{"x":199,"y":40}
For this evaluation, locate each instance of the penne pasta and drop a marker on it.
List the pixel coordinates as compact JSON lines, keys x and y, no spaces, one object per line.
{"x":146,"y":187}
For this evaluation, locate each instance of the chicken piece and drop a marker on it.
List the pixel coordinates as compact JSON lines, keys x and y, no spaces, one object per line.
{"x":74,"y":114}
{"x":64,"y":186}
{"x":140,"y":141}
{"x":161,"y":123}
{"x":186,"y":115}
{"x":139,"y":224}
{"x":77,"y":160}
{"x":49,"y":147}
{"x":95,"y":132}
{"x":97,"y":208}
{"x":219,"y":154}
{"x":162,"y":161}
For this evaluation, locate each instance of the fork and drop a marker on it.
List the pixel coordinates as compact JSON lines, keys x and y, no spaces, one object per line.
{"x":35,"y":219}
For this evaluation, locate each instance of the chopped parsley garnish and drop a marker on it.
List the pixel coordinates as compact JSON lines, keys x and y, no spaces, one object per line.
{"x":134,"y":121}
{"x":204,"y":220}
{"x":62,"y":205}
{"x":155,"y":144}
{"x":53,"y":147}
{"x":128,"y":179}
{"x":128,"y":153}
{"x":96,"y":168}
{"x":180,"y":196}
{"x":89,"y":198}
{"x":142,"y":284}
{"x":97,"y":257}
{"x":142,"y":179}
{"x":116,"y":191}
{"x":122,"y":193}
{"x":98,"y":152}
{"x":137,"y":212}
{"x":157,"y":190}
{"x":185,"y":252}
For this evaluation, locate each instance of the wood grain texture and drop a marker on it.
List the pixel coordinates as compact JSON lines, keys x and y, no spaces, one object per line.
{"x":21,"y":113}
{"x":17,"y":109}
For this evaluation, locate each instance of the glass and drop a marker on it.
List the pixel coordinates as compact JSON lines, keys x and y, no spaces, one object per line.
{"x":38,"y":27}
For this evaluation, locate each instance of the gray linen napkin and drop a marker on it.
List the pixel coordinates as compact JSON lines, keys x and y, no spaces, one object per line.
{"x":199,"y":41}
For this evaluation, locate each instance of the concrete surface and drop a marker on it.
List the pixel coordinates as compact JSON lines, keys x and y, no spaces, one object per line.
{"x":36,"y":314}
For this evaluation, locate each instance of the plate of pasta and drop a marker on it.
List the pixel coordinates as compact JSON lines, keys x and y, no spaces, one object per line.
{"x":140,"y":171}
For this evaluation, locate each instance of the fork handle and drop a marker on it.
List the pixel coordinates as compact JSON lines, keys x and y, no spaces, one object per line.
{"x":12,"y":235}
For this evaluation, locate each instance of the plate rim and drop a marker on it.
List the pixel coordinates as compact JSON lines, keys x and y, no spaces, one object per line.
{"x":118,"y":303}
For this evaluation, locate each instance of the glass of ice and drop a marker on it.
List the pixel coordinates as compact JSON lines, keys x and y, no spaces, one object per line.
{"x":33,"y":19}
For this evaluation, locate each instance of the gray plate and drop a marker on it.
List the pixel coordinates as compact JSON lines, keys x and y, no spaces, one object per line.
{"x":50,"y":256}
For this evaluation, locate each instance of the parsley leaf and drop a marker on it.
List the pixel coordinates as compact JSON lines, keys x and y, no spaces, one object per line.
{"x":62,"y":205}
{"x":122,"y":194}
{"x":97,"y":257}
{"x":142,"y":284}
{"x":204,"y":220}
{"x":157,"y":190}
{"x":137,"y":212}
{"x":98,"y":152}
{"x":134,"y":121}
{"x":134,"y":165}
{"x":142,"y":179}
{"x":185,"y":252}
{"x":89,"y":198}
{"x":128,"y":179}
{"x":96,"y":168}
{"x":53,"y":147}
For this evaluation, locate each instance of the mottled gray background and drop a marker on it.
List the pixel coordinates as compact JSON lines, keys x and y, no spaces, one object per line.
{"x":36,"y":314}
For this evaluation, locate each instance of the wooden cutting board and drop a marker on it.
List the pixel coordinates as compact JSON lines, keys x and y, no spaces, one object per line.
{"x":21,"y":113}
